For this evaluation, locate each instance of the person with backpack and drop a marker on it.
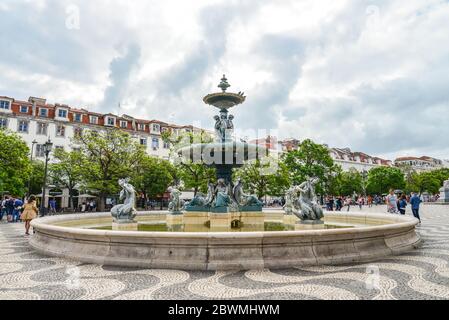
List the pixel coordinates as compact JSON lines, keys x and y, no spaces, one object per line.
{"x":9,"y":206}
{"x":18,"y":204}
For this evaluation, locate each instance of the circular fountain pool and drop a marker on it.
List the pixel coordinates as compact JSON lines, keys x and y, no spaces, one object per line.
{"x":275,"y":241}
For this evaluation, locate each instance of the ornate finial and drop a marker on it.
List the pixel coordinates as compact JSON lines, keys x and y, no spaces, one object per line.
{"x":224,"y":85}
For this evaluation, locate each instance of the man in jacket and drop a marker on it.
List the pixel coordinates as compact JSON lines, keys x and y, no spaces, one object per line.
{"x":415,"y":202}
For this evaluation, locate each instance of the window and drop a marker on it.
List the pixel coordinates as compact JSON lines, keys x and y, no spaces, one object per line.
{"x":78,"y":117}
{"x":23,"y":126}
{"x":93,"y":120}
{"x":124,"y":124}
{"x":43,"y":112}
{"x":155,"y":143}
{"x":143,"y":141}
{"x":156,"y":128}
{"x":166,"y":145}
{"x":110,"y":121}
{"x":42,"y":128}
{"x":23,"y":109}
{"x":40,"y":153}
{"x":141,"y":127}
{"x":3,"y":123}
{"x":62,"y":113}
{"x":78,"y":132}
{"x":60,"y":131}
{"x":4,"y":105}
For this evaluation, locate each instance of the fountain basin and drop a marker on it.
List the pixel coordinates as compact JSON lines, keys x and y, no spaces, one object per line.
{"x":229,"y":153}
{"x":370,"y":237}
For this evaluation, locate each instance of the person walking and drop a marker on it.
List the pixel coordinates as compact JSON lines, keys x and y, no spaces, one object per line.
{"x":360,"y":203}
{"x":415,"y":202}
{"x":29,"y":213}
{"x":9,"y":205}
{"x":392,"y":202}
{"x":18,"y":206}
{"x":52,"y":204}
{"x":348,"y":202}
{"x":3,"y":208}
{"x":403,"y":204}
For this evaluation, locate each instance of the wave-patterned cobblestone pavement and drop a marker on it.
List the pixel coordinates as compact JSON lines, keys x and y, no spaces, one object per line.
{"x":420,"y":274}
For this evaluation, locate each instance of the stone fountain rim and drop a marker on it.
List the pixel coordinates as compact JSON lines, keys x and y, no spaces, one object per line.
{"x":396,"y":222}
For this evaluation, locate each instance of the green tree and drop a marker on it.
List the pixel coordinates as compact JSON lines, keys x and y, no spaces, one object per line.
{"x":67,"y":171}
{"x":152,"y":176}
{"x":15,"y":164}
{"x":110,"y":155}
{"x":441,"y":174}
{"x":382,"y":179}
{"x":258,"y":178}
{"x":36,"y":176}
{"x":424,"y":181}
{"x":310,"y":160}
{"x":351,"y":182}
{"x":194,"y":175}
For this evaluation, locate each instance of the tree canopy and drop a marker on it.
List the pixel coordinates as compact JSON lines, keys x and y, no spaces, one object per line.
{"x":310,"y":160}
{"x":15,"y":164}
{"x":382,"y":179}
{"x":110,"y":155}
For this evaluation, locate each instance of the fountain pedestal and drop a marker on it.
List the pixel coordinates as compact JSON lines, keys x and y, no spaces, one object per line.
{"x":310,"y":225}
{"x":174,"y":218}
{"x":125,"y":226}
{"x":220,"y":220}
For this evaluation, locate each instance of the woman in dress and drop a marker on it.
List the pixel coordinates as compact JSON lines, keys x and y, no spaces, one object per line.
{"x":29,"y":213}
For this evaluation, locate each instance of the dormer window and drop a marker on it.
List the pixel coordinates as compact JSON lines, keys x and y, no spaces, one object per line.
{"x":43,"y":112}
{"x":123,"y":124}
{"x":62,"y":113}
{"x":93,"y":120}
{"x":78,"y":117}
{"x":156,"y":128}
{"x":110,"y":121}
{"x":23,"y":109}
{"x":141,"y":127}
{"x":5,"y":105}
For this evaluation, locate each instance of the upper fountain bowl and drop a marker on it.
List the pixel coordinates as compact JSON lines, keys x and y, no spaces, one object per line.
{"x":224,"y":100}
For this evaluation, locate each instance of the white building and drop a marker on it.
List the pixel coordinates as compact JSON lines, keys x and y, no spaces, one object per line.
{"x":36,"y":121}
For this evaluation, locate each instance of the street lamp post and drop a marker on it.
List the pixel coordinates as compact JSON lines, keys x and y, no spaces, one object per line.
{"x":31,"y":160}
{"x":47,"y":149}
{"x":364,"y":178}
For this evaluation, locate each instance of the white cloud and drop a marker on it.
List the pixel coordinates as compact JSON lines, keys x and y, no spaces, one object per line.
{"x":371,"y":75}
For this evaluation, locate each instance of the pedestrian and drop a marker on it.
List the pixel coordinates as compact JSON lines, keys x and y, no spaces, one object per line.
{"x":339,"y":204}
{"x":403,"y":204}
{"x":360,"y":202}
{"x":52,"y":204}
{"x":29,"y":213}
{"x":9,"y":205}
{"x":83,"y":207}
{"x":391,"y":201}
{"x":3,"y":208}
{"x":18,"y":205}
{"x":348,"y":202}
{"x":415,"y":202}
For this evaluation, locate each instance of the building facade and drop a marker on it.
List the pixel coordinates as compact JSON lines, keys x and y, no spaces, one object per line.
{"x":421,"y":164}
{"x":35,"y":121}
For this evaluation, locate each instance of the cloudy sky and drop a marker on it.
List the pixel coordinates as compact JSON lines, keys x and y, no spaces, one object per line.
{"x":369,"y":75}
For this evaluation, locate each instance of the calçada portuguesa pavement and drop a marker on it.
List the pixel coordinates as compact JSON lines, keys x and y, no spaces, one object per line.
{"x":420,"y":274}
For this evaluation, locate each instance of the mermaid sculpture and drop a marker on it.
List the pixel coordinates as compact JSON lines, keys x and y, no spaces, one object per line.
{"x":126,"y":212}
{"x":306,"y":206}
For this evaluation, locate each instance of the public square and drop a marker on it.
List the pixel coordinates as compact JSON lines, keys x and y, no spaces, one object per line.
{"x":419,"y":274}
